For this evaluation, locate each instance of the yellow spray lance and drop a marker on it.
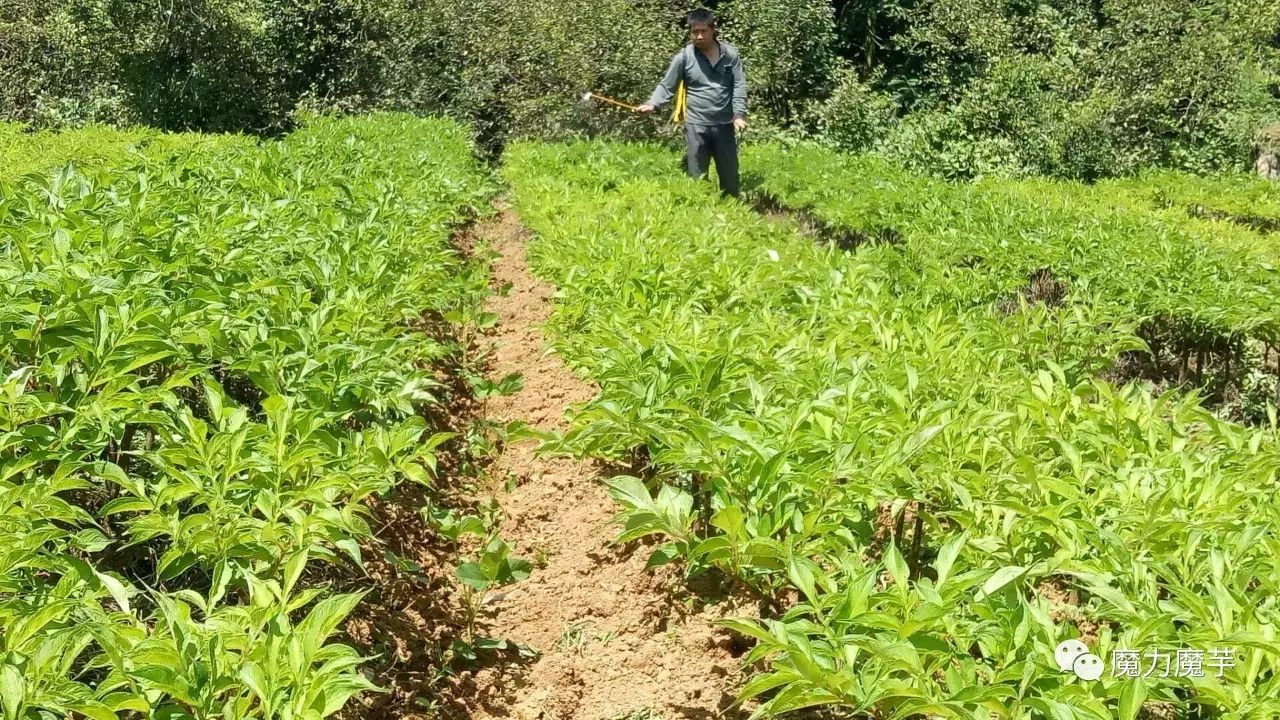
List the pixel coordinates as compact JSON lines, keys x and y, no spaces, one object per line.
{"x":677,"y":114}
{"x":588,"y":97}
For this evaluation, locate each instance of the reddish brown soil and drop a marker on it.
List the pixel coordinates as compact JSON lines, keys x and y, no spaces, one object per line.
{"x":413,"y":610}
{"x":411,"y":614}
{"x":615,"y":641}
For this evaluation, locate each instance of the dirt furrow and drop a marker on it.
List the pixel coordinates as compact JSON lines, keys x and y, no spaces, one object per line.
{"x":615,"y":642}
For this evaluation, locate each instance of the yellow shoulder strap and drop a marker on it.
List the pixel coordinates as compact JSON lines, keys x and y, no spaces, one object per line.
{"x":677,"y":115}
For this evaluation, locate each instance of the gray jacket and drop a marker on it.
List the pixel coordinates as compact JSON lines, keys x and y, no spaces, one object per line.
{"x":716,"y":94}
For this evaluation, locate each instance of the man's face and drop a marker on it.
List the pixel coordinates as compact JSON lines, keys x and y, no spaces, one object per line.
{"x":702,"y":35}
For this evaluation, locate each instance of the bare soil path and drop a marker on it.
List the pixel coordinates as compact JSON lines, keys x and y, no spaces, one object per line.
{"x":615,"y":642}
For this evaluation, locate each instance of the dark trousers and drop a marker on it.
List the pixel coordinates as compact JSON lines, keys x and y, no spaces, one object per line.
{"x":703,"y":142}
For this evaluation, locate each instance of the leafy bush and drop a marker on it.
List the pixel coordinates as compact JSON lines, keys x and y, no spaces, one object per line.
{"x":206,"y":64}
{"x":952,"y":43}
{"x":53,"y":67}
{"x":939,"y":143}
{"x":789,"y":53}
{"x":1184,"y":81}
{"x":203,"y":65}
{"x":521,"y":69}
{"x":1083,"y":146}
{"x":856,"y":116}
{"x":1085,"y":92}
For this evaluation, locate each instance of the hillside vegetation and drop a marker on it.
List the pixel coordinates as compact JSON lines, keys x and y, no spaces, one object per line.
{"x":954,"y":87}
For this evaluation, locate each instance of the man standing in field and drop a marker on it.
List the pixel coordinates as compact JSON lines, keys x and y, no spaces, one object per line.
{"x":716,"y":110}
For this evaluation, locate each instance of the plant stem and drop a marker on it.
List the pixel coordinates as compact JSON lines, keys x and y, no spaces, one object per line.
{"x":916,"y":534}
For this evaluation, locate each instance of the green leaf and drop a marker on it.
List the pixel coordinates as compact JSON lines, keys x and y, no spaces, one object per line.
{"x":517,"y":569}
{"x":293,"y":568}
{"x":662,"y":555}
{"x":1131,"y":699}
{"x":473,"y":575}
{"x":896,"y":565}
{"x":256,"y":680}
{"x":748,"y":627}
{"x":95,"y":712}
{"x":764,"y":683}
{"x":947,"y":558}
{"x":417,"y":474}
{"x":116,"y":589}
{"x":324,"y":618}
{"x":125,"y":504}
{"x":13,"y":691}
{"x":999,"y":579}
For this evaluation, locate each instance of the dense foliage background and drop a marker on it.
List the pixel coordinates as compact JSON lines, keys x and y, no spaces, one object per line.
{"x":1074,"y":88}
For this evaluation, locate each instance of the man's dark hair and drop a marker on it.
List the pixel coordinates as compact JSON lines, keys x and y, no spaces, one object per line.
{"x":701,"y":16}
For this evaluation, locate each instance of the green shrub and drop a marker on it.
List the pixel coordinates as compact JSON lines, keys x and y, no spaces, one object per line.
{"x":855,"y":116}
{"x":1084,"y":148}
{"x":521,"y":69}
{"x":1184,"y":81}
{"x":788,"y":48}
{"x":53,"y":68}
{"x":1066,"y":87}
{"x":1088,"y":92}
{"x":938,"y":142}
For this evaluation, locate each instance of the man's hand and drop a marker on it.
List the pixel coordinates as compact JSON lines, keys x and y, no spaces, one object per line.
{"x":645,"y":109}
{"x":739,"y":125}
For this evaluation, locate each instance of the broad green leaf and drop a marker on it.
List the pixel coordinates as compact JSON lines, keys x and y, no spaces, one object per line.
{"x":947,"y":558}
{"x":256,"y":680}
{"x":472,"y":574}
{"x":13,"y":691}
{"x":999,"y":579}
{"x":1133,"y":694}
{"x":116,"y":589}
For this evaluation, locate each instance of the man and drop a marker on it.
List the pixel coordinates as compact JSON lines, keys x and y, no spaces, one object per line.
{"x":716,"y":100}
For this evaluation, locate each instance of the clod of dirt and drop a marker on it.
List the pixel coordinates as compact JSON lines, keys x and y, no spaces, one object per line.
{"x":1157,"y":710}
{"x":1064,"y":606}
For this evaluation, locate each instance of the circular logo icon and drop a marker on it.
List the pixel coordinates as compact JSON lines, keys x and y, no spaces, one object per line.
{"x":1087,"y":667}
{"x":1067,"y":652}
